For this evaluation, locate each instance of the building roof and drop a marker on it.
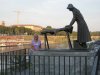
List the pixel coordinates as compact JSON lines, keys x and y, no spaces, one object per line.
{"x":28,"y":25}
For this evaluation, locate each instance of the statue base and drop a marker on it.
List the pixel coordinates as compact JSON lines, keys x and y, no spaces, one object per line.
{"x":76,"y":45}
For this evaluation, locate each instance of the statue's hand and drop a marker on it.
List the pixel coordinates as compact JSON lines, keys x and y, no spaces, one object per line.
{"x":69,"y":28}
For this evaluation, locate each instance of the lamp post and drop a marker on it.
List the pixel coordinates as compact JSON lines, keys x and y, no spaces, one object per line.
{"x":18,"y":13}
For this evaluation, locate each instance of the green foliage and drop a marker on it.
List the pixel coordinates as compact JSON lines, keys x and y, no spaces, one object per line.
{"x":49,"y":27}
{"x":62,"y":33}
{"x":16,"y":30}
{"x":97,"y":33}
{"x":74,"y":33}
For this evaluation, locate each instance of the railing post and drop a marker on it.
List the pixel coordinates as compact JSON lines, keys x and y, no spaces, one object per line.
{"x":5,"y":63}
{"x":1,"y":62}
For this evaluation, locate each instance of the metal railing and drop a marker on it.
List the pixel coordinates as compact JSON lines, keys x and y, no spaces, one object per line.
{"x":53,"y":62}
{"x":13,"y":62}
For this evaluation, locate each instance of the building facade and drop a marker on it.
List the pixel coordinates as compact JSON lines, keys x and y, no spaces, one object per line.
{"x":33,"y":27}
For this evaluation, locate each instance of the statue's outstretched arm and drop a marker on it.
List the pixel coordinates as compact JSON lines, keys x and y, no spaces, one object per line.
{"x":73,"y":20}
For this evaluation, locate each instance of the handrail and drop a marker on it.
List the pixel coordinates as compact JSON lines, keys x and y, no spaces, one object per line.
{"x":63,"y":53}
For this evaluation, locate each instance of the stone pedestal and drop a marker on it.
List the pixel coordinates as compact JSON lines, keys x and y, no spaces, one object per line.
{"x":76,"y":45}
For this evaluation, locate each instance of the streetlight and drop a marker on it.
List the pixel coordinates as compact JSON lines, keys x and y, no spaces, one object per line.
{"x":18,"y":13}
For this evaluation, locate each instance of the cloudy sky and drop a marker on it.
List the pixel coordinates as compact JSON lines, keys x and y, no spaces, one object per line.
{"x":49,"y":12}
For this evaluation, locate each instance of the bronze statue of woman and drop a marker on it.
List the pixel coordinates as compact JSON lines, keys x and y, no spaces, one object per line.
{"x":83,"y":34}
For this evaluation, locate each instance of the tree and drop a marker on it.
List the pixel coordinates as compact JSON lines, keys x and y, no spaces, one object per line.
{"x":49,"y":27}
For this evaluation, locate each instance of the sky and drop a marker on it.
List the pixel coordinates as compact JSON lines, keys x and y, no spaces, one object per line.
{"x":49,"y":12}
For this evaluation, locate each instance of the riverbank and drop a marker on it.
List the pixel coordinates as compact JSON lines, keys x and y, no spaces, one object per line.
{"x":54,"y":41}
